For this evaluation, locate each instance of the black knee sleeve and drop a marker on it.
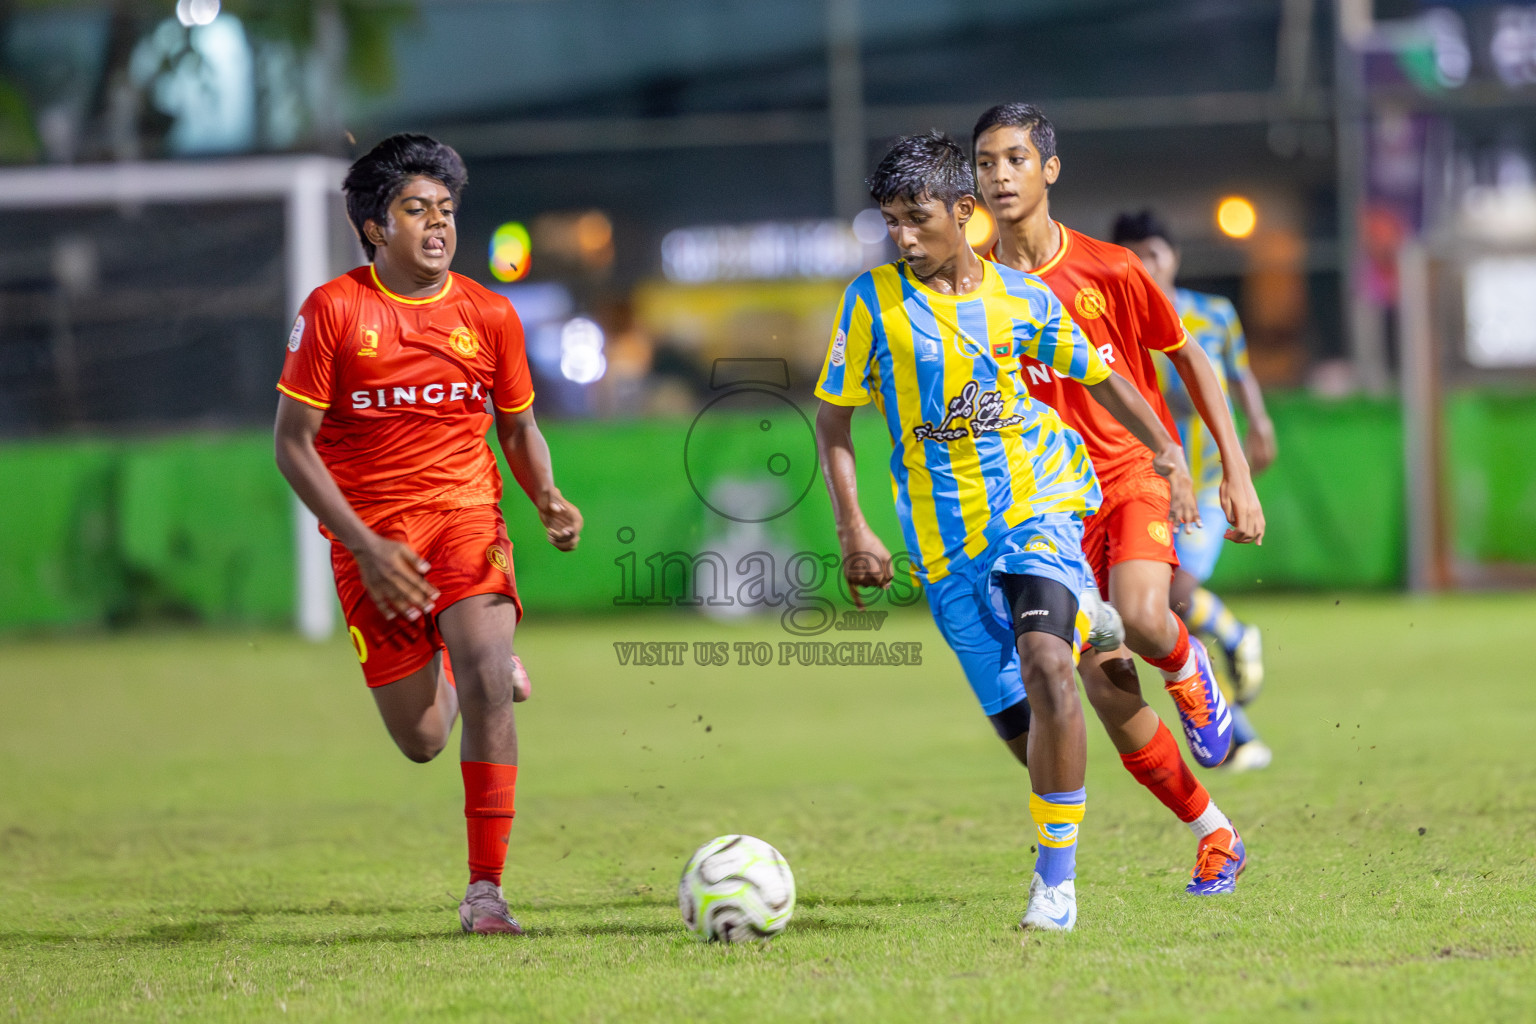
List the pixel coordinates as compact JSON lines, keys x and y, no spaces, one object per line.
{"x":1011,"y":722}
{"x":1039,"y":605}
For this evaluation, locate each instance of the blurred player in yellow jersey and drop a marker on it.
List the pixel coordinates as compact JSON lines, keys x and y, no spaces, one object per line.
{"x":1212,"y":322}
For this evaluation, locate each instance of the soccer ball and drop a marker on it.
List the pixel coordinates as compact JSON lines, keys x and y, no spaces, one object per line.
{"x":736,"y":889}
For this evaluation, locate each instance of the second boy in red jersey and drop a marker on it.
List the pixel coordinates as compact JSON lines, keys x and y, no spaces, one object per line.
{"x":1129,"y":542}
{"x":381,"y":430}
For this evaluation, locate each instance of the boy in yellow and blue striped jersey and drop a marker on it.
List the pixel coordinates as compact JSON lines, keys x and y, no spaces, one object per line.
{"x":990,"y":486}
{"x":1212,"y":322}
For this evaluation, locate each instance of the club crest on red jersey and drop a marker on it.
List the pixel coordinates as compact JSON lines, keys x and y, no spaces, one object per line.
{"x":1090,"y":303}
{"x":464,"y":342}
{"x":370,"y":347}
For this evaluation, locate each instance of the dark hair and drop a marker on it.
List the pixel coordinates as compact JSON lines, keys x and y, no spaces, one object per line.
{"x":1018,"y":115}
{"x":378,"y":177}
{"x":1138,"y":227}
{"x":931,"y":164}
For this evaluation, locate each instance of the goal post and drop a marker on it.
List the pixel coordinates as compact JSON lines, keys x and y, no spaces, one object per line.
{"x":317,"y":245}
{"x":1467,"y":330}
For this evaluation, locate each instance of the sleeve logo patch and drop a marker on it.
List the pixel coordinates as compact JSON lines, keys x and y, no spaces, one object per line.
{"x":1090,"y":303}
{"x":839,"y":348}
{"x":296,"y":336}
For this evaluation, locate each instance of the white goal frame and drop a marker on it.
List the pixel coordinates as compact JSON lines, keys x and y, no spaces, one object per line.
{"x":305,"y":185}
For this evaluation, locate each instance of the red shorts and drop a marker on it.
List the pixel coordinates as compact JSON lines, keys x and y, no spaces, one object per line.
{"x":1132,"y":523}
{"x":469,"y":553}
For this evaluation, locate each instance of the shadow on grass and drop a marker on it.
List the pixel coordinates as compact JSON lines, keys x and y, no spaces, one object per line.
{"x":215,"y":932}
{"x":855,"y":899}
{"x":205,"y":931}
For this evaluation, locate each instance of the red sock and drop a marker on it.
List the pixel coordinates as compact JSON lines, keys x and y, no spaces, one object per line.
{"x":1175,"y":659}
{"x":488,"y":812}
{"x":1160,"y":767}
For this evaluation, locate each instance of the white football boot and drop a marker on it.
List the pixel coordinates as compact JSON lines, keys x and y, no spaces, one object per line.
{"x":1052,"y":908}
{"x":1252,"y":756}
{"x":1106,"y":630}
{"x":1248,"y":665}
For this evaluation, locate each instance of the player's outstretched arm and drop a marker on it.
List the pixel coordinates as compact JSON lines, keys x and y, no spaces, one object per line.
{"x":1238,"y":498}
{"x":1121,"y":400}
{"x":528,"y":455}
{"x":866,"y":562}
{"x":1261,"y":446}
{"x":393,"y":574}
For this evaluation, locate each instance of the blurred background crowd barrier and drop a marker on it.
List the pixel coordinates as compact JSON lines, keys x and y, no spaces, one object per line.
{"x":659,"y":187}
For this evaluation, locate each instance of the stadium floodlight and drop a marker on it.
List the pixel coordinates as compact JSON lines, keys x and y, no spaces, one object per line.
{"x":309,"y":190}
{"x":196,"y":13}
{"x":1236,"y":217}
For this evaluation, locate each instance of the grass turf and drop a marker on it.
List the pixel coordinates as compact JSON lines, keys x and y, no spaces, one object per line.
{"x":216,"y":827}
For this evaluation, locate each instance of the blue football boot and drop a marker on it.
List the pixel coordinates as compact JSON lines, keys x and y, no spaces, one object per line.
{"x":1203,"y":710}
{"x":1221,"y":859}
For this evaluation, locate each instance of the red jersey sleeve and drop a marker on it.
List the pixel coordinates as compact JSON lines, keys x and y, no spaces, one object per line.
{"x":309,"y":368}
{"x":1159,"y":325}
{"x":512,"y":387}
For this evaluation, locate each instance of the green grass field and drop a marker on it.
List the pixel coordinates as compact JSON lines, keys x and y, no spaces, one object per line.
{"x":216,"y":827}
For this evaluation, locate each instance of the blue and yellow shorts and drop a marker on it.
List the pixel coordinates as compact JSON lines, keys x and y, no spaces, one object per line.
{"x":973,"y":616}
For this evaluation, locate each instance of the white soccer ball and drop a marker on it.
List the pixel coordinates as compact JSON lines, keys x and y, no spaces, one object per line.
{"x":736,"y":889}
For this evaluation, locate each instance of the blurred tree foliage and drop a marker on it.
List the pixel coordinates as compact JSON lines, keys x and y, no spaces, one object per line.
{"x":318,"y":47}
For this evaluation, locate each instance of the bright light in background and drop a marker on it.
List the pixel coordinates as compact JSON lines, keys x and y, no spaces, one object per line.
{"x":204,"y":80}
{"x":581,"y":351}
{"x":1236,"y":217}
{"x":1513,"y":47}
{"x":981,"y":230}
{"x":196,"y":12}
{"x":869,"y":227}
{"x":594,"y":233}
{"x":765,"y":251}
{"x":1448,"y":40}
{"x":511,"y":252}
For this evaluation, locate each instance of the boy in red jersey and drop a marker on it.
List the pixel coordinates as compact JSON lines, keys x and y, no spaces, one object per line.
{"x":1129,"y":542}
{"x":381,"y":427}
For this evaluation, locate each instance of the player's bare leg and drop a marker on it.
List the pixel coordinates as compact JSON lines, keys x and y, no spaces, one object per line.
{"x":1115,"y":693}
{"x":1150,"y":753}
{"x":419,"y":710}
{"x":1057,"y":739}
{"x":478,"y":631}
{"x":1139,"y":588}
{"x":1056,"y":753}
{"x":1180,"y":590}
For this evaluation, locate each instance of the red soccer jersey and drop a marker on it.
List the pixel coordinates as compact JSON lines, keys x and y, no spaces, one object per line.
{"x":1123,"y":312}
{"x":404,"y":384}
